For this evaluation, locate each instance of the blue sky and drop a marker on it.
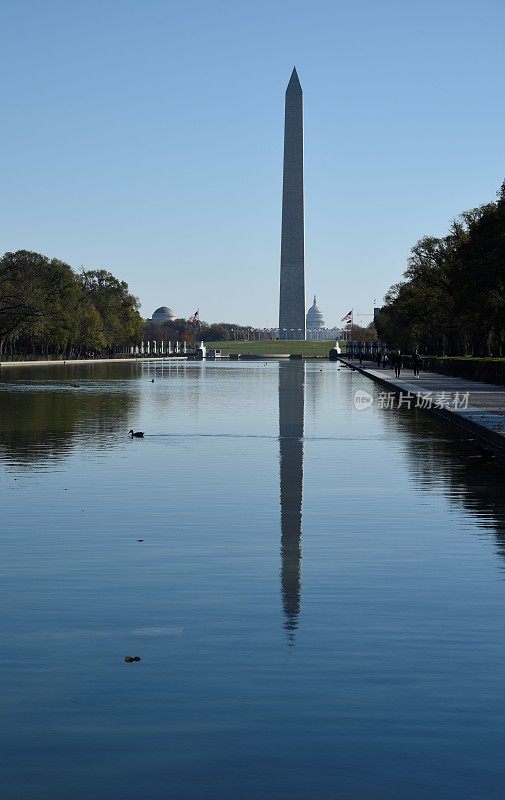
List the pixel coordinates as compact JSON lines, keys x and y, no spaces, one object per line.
{"x":146,"y":138}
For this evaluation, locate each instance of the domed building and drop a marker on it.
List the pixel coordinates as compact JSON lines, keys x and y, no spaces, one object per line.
{"x":163,"y":314}
{"x":315,"y":321}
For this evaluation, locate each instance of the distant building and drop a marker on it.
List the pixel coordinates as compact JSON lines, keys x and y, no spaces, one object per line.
{"x":320,"y":334}
{"x":315,"y":319}
{"x":314,"y":322}
{"x":163,"y":314}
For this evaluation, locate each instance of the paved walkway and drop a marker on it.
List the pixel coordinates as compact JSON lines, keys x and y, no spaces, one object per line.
{"x":477,"y":407}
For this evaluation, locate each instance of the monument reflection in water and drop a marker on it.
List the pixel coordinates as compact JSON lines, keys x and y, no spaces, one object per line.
{"x":291,"y":412}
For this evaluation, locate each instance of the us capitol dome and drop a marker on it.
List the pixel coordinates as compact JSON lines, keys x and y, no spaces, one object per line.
{"x":163,"y":314}
{"x":315,"y":319}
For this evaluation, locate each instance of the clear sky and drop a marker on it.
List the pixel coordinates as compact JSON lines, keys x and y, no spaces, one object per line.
{"x":145,"y":137}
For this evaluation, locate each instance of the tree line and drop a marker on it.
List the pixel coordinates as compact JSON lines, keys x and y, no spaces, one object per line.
{"x":357,"y":333}
{"x":48,"y":309}
{"x":181,"y":330}
{"x":452,"y":299}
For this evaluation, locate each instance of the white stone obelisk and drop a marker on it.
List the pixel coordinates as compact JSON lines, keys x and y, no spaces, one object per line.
{"x":292,"y":285}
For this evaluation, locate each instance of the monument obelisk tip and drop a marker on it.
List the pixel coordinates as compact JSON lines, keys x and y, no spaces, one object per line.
{"x":294,"y":82}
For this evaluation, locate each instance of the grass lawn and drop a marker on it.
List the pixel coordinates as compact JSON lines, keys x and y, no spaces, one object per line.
{"x":273,"y":347}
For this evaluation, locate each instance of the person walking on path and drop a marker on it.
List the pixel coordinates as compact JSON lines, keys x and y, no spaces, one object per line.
{"x":385,"y":361}
{"x":416,"y":362}
{"x":398,"y":363}
{"x":379,"y":359}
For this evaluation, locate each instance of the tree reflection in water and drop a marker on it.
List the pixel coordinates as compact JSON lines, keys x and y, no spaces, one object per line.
{"x":440,"y":461}
{"x":43,"y":418}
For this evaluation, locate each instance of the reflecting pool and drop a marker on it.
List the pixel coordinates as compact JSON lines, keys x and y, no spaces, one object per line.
{"x":316,"y":593}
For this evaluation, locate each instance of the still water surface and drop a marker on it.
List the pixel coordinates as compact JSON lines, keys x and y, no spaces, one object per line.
{"x":318,"y":599}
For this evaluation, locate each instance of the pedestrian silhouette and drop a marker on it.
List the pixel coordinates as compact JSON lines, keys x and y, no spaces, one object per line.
{"x":398,"y":363}
{"x":416,"y":362}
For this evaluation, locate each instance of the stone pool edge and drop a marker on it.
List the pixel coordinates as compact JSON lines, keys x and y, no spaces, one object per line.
{"x":464,"y":419}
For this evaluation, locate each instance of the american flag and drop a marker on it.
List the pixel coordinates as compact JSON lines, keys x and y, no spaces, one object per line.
{"x":348,"y":317}
{"x":194,"y":317}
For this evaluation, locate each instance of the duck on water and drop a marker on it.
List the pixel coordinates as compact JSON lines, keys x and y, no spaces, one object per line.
{"x":136,"y":434}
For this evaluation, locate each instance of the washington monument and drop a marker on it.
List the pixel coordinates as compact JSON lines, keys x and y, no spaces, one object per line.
{"x":292,"y":291}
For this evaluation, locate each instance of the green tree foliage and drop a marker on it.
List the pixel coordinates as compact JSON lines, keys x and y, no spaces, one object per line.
{"x":452,"y":298}
{"x":113,"y":310}
{"x":180,"y":330}
{"x":46,"y":308}
{"x":36,"y":298}
{"x":360,"y":334}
